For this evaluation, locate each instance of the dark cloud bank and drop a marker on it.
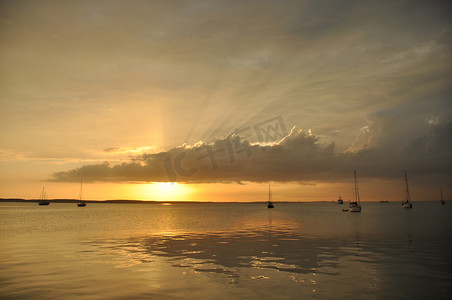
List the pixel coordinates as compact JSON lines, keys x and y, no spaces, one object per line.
{"x":420,"y":145}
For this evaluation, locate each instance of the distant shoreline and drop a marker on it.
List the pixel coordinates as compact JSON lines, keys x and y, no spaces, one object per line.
{"x":123,"y":201}
{"x":137,"y":201}
{"x":87,"y":201}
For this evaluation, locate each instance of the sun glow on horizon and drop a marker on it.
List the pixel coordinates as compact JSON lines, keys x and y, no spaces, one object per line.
{"x":166,"y":191}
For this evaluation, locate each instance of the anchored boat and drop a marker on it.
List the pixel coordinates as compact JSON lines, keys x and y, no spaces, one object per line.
{"x":43,"y":198}
{"x":407,"y":203}
{"x":270,"y":204}
{"x":80,"y":202}
{"x":355,"y":206}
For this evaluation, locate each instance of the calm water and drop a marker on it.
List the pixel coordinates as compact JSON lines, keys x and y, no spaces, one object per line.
{"x":225,"y":251}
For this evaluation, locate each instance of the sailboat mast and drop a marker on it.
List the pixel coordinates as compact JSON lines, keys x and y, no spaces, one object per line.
{"x":80,"y":193}
{"x":407,"y":190}
{"x":269,"y":193}
{"x":357,"y":199}
{"x":441,"y":192}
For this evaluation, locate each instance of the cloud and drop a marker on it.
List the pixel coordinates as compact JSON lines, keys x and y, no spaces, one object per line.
{"x":224,"y":160}
{"x":387,"y":147}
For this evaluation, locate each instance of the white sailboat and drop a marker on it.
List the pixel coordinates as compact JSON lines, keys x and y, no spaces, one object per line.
{"x":270,"y":204}
{"x":355,"y":206}
{"x":80,"y":202}
{"x":43,"y":198}
{"x":441,"y":191}
{"x":407,"y":203}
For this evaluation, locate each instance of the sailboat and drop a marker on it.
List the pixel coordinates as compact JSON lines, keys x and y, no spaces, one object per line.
{"x":80,"y":203}
{"x":270,"y":204}
{"x":441,"y":191}
{"x":355,"y":206}
{"x":407,"y":202}
{"x":43,"y":198}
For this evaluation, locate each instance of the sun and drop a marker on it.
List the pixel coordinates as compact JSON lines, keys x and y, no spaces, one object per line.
{"x":166,"y":191}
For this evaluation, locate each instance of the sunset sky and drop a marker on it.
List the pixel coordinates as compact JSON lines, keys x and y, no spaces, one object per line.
{"x":211,"y":100}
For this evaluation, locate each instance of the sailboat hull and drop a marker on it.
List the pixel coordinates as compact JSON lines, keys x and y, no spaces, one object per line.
{"x":81,"y":204}
{"x":356,"y":208}
{"x":407,"y":205}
